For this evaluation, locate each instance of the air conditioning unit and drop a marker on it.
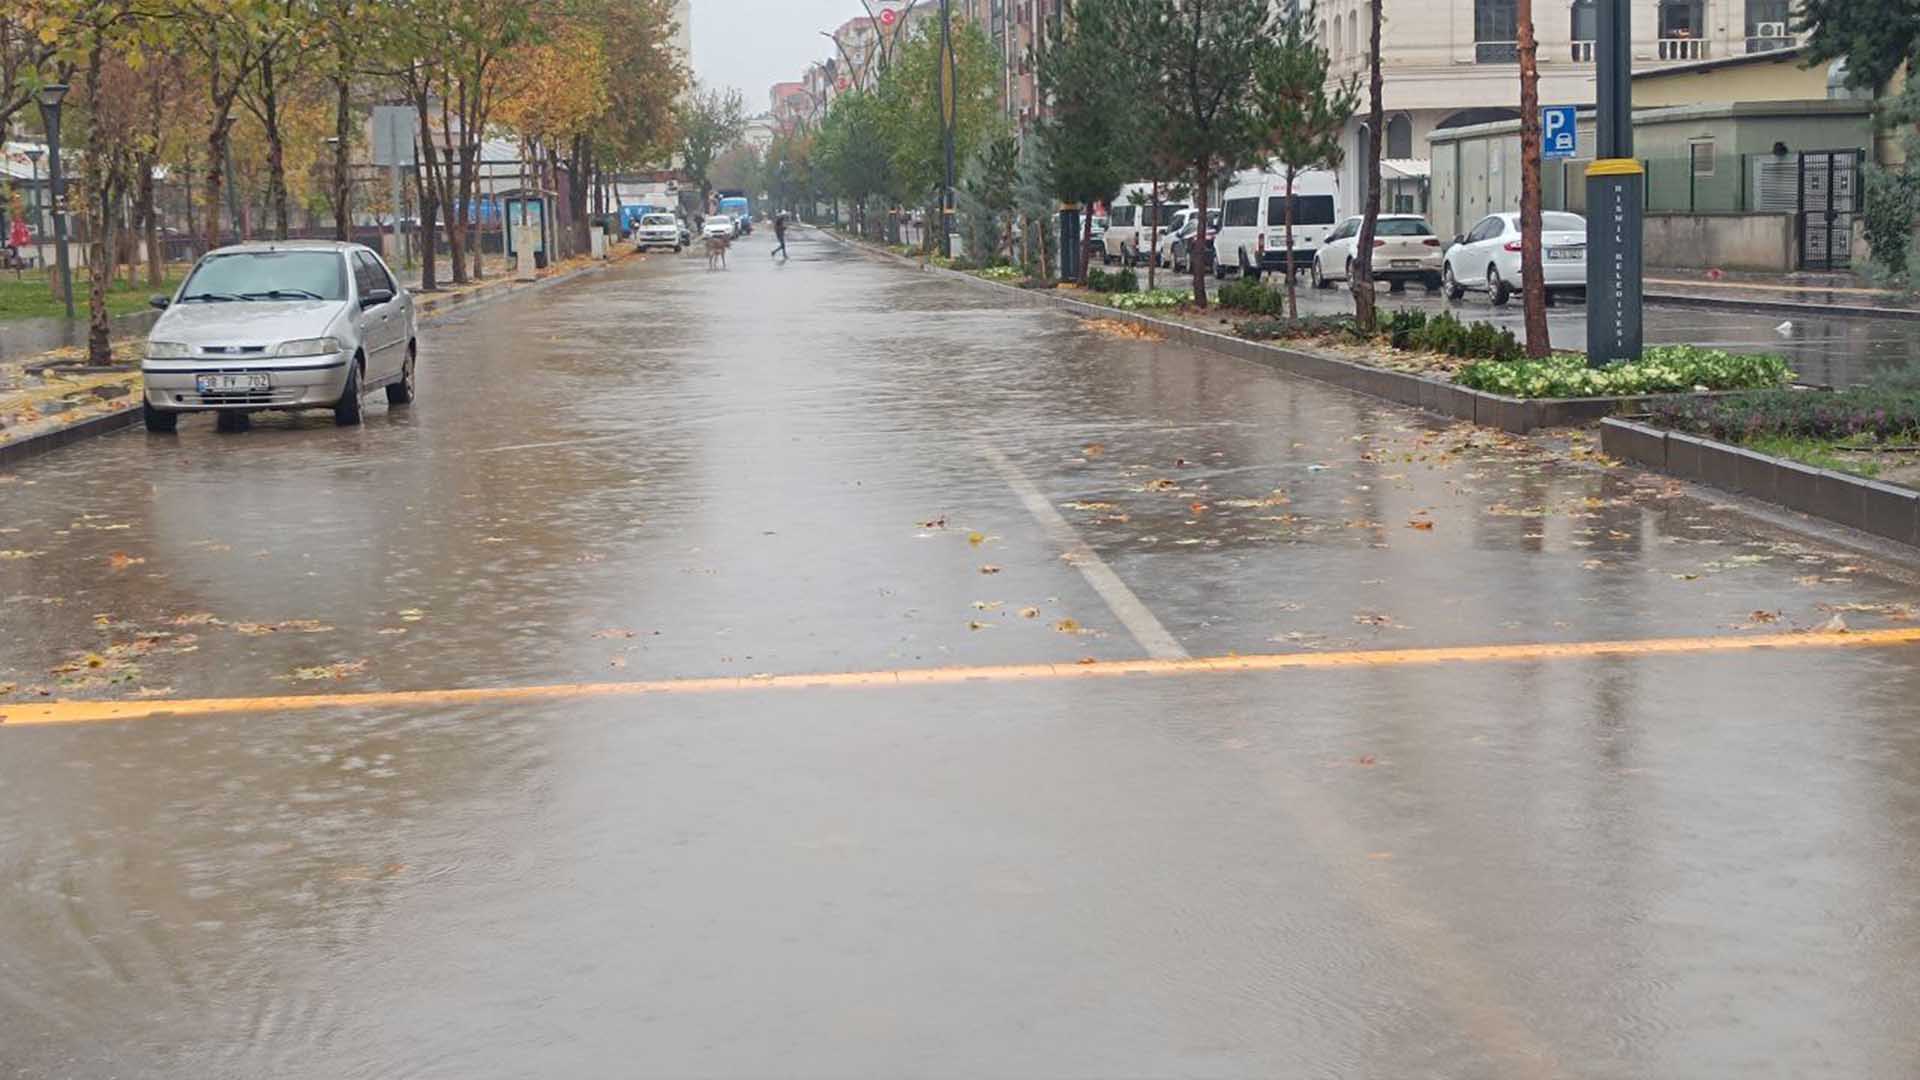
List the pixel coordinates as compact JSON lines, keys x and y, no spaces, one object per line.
{"x":1771,"y":30}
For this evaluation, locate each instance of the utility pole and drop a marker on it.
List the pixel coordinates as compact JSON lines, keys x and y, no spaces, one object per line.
{"x":1615,"y":199}
{"x":947,"y":101}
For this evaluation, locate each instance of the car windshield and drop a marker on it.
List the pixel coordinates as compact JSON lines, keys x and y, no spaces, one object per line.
{"x":268,"y":275}
{"x":1563,"y":223}
{"x":656,"y":219}
{"x":1403,"y":227}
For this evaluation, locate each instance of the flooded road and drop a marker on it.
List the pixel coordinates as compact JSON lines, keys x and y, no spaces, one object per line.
{"x":1525,"y":857}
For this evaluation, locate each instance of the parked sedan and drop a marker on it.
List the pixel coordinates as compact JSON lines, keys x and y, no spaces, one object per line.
{"x":1180,"y":247}
{"x":657,"y":230}
{"x":719,"y":226}
{"x":1404,"y":249}
{"x":1488,"y":258}
{"x":280,"y":326}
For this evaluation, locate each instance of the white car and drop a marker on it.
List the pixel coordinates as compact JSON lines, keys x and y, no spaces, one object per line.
{"x":1404,"y":249}
{"x":1253,"y":238}
{"x":1129,"y":235}
{"x":1488,"y":258}
{"x":718,"y":226}
{"x":279,"y":326}
{"x":657,"y":230}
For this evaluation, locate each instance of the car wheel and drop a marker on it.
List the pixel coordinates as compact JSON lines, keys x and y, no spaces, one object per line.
{"x":1497,"y":289}
{"x":346,"y":412}
{"x":401,"y":393}
{"x":1431,"y":283}
{"x":1247,"y":270}
{"x":1319,"y":279}
{"x":231,"y":421}
{"x":159,"y":421}
{"x":1450,"y":284}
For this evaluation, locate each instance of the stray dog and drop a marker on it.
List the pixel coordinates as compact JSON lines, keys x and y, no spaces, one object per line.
{"x":717,"y":252}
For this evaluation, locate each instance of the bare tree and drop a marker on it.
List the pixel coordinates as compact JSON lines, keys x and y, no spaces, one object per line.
{"x":1532,"y":276}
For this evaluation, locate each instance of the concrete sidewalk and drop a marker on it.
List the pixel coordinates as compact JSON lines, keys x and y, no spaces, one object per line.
{"x":1830,"y":294}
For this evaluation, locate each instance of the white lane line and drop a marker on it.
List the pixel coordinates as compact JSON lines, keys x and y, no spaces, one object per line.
{"x":1126,"y":607}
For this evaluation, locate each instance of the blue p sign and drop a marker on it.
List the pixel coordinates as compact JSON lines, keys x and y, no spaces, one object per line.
{"x":1559,"y":138}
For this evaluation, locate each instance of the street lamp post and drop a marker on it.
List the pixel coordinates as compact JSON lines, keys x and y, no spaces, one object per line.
{"x":50,"y":97}
{"x":1615,"y":199}
{"x":39,"y":197}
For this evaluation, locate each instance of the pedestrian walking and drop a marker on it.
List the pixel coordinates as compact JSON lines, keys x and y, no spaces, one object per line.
{"x":780,"y":234}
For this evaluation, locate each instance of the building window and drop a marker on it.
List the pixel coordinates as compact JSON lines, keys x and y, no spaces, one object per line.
{"x":1683,"y":30}
{"x":1353,"y":34}
{"x":1769,"y":25}
{"x":1400,"y":137}
{"x":1701,"y":151}
{"x":1586,"y":30}
{"x":1339,"y":37}
{"x":1495,"y":27}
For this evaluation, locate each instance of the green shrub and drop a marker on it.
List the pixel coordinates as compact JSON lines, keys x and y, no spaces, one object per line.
{"x":1443,"y":333}
{"x":1157,"y":299}
{"x":1870,"y":411}
{"x":1312,"y":326}
{"x":1116,"y":281}
{"x":1665,"y":369}
{"x":1404,"y":326}
{"x":1251,"y":297}
{"x":1001,"y":273}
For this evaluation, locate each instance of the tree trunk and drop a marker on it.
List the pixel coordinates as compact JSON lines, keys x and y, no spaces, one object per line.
{"x":216,"y":159}
{"x":1203,"y":180}
{"x":149,"y":217}
{"x":97,"y":182}
{"x":449,"y":197}
{"x":1364,"y":312}
{"x":1293,"y":298}
{"x":1153,"y":237}
{"x":276,"y":150}
{"x":342,"y":148}
{"x":429,"y":197}
{"x":1532,"y":274}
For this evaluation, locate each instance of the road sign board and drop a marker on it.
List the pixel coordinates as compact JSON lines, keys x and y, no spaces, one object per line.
{"x":1559,"y":137}
{"x":393,"y":134}
{"x":888,"y":16}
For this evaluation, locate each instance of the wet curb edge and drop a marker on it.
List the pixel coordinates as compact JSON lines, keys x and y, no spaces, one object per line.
{"x":1883,"y":510}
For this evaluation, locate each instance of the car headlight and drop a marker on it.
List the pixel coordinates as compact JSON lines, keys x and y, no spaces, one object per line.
{"x":167,"y":350}
{"x":318,"y":346}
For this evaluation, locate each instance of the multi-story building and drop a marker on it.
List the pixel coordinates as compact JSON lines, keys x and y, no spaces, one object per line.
{"x":683,"y":31}
{"x":1020,"y":31}
{"x":1455,"y":62}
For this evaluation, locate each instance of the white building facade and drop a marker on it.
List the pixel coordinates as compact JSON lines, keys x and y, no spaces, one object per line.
{"x":1448,"y":63}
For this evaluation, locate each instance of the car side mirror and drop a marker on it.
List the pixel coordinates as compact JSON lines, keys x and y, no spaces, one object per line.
{"x":159,"y":303}
{"x":1459,"y":238}
{"x":376,"y":297}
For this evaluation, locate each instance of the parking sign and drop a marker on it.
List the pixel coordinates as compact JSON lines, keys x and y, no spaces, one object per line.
{"x":1559,"y":138}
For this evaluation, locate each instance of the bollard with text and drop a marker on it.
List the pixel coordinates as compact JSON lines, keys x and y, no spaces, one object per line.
{"x":1615,"y":200}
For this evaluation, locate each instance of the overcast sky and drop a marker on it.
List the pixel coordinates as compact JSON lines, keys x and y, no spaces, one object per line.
{"x":752,"y":44}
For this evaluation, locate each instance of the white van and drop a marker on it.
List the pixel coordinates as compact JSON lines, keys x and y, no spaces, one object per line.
{"x":1253,"y":221}
{"x":1129,"y":237}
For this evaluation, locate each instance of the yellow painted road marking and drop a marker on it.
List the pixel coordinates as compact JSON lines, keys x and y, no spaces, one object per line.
{"x":81,"y":712}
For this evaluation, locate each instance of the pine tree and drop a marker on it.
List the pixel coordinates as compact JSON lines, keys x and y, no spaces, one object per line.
{"x":1875,"y":37}
{"x":1301,"y":112}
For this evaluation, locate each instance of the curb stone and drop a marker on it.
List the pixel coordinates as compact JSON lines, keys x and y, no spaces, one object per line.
{"x":1886,"y":511}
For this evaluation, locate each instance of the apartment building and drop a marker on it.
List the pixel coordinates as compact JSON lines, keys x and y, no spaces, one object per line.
{"x":1020,"y":31}
{"x":1455,"y":62}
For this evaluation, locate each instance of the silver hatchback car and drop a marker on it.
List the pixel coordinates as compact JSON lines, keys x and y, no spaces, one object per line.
{"x":277,"y":326}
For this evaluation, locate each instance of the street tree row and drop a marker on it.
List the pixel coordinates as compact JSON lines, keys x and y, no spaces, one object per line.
{"x":226,"y":91}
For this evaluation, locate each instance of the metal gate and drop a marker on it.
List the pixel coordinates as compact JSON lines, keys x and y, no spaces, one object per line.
{"x":1829,"y":185}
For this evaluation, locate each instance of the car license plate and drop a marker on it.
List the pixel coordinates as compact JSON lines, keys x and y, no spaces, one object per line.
{"x":1405,"y":264}
{"x":1575,"y":251}
{"x":227,"y":383}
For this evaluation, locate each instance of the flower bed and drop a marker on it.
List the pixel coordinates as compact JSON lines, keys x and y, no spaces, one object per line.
{"x":1871,"y":431}
{"x":1663,"y":369}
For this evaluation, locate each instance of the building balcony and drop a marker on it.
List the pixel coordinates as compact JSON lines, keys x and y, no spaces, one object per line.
{"x":1682,"y":48}
{"x":1496,"y":52}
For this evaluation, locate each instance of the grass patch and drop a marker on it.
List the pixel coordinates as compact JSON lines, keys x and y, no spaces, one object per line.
{"x":30,"y":297}
{"x":1819,"y":453}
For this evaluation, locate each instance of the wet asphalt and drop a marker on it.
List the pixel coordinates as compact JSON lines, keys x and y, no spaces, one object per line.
{"x":1614,"y":866}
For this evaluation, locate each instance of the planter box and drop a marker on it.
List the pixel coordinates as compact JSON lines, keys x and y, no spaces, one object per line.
{"x":1884,"y":510}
